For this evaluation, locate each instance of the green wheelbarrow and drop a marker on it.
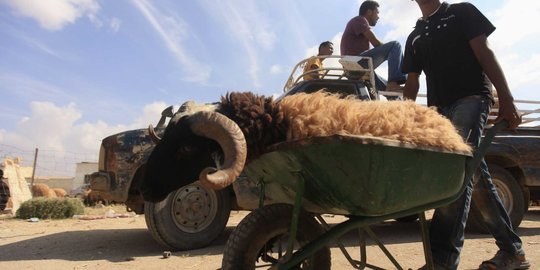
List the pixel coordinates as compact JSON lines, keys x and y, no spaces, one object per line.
{"x":368,"y":180}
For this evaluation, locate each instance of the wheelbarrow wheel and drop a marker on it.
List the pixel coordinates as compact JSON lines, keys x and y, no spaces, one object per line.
{"x":261,"y":239}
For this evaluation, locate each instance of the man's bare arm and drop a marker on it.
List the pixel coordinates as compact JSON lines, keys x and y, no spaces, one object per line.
{"x":372,"y":38}
{"x":410,"y":89}
{"x":490,"y":65}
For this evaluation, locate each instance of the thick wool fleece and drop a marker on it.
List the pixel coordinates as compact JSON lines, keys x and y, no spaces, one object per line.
{"x":323,"y":114}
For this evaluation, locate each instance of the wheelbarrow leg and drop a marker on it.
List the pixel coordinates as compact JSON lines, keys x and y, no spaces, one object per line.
{"x":362,"y":264}
{"x":363,"y":250}
{"x":378,"y":241}
{"x":295,"y":216}
{"x":425,"y":240}
{"x":354,"y":263}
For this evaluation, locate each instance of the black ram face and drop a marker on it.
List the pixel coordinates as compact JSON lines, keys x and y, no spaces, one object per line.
{"x":176,"y":161}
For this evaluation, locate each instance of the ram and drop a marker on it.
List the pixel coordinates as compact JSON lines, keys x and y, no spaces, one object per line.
{"x":245,"y":124}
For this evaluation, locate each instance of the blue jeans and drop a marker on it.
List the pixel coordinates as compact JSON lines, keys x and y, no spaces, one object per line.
{"x":392,"y":52}
{"x":469,"y":116}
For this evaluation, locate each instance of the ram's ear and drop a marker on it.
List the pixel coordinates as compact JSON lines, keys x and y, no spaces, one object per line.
{"x":223,"y":130}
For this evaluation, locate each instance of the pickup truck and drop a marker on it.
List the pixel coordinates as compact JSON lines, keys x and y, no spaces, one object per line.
{"x":193,"y":216}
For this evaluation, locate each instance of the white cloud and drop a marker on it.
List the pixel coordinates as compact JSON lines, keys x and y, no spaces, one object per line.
{"x":400,"y":16}
{"x":150,"y":115}
{"x":24,"y":86}
{"x":517,"y":50}
{"x":54,"y":14}
{"x":115,"y":24}
{"x":248,"y":21}
{"x":276,"y":69}
{"x":55,"y":128}
{"x":40,"y":46}
{"x":250,"y":25}
{"x":47,"y":125}
{"x":174,"y":32}
{"x":507,"y":35}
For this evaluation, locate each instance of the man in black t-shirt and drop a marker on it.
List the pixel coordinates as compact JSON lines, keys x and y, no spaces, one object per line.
{"x":449,"y":44}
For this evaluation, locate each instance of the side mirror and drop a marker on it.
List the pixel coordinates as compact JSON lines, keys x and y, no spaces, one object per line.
{"x":168,"y":112}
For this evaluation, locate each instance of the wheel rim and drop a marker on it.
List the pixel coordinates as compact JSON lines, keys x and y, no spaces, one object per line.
{"x":194,"y":208}
{"x":272,"y":251}
{"x":505,"y":194}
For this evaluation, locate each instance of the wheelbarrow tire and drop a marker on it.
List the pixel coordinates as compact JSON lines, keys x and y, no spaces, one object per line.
{"x":257,"y":230}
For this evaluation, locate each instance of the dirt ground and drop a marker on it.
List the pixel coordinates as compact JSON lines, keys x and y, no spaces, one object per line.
{"x":124,"y":243}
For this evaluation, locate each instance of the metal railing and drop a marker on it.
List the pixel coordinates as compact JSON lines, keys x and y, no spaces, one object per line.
{"x":342,"y":69}
{"x":529,"y":109}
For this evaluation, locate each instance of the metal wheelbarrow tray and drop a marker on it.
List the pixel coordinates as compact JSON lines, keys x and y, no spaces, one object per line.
{"x":368,"y":179}
{"x":358,"y":175}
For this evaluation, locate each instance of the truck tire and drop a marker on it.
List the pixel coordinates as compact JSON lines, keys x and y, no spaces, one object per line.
{"x":261,"y":238}
{"x":512,"y":198}
{"x":191,"y":217}
{"x":4,"y":195}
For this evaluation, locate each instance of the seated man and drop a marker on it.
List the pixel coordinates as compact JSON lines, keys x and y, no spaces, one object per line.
{"x":357,"y":37}
{"x":325,"y":48}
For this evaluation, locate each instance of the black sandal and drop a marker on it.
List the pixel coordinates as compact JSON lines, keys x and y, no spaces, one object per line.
{"x":505,"y":261}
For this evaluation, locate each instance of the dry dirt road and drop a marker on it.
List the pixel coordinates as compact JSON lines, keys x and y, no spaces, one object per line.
{"x":124,"y":243}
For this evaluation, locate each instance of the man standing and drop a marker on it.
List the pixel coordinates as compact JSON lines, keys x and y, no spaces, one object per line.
{"x":313,"y":63}
{"x":449,"y":44}
{"x":357,"y":37}
{"x":4,"y":192}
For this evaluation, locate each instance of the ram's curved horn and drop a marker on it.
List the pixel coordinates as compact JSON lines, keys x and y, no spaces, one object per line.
{"x":155,"y":138}
{"x":223,"y":130}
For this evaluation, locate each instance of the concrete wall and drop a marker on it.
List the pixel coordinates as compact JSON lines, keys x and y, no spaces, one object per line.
{"x":65,"y":183}
{"x":82,"y":169}
{"x":17,"y":185}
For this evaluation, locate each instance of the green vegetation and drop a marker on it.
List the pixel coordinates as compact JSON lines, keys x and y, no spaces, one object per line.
{"x":50,"y":208}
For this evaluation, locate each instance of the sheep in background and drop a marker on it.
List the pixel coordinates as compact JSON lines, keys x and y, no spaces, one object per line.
{"x":42,"y":190}
{"x":244,"y":125}
{"x":59,"y":192}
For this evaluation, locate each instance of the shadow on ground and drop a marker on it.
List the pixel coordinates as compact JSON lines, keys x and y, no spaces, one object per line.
{"x":111,"y":245}
{"x":393,"y":232}
{"x":118,"y":245}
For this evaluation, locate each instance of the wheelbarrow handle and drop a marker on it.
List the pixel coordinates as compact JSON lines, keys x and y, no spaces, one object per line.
{"x":478,"y":155}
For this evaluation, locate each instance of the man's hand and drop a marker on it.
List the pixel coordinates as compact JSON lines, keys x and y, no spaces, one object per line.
{"x":508,"y":111}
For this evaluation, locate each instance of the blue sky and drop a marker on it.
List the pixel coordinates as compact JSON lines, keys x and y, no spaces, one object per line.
{"x":75,"y":71}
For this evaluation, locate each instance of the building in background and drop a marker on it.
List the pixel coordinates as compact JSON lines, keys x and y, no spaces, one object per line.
{"x":67,"y":183}
{"x":82,"y":173}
